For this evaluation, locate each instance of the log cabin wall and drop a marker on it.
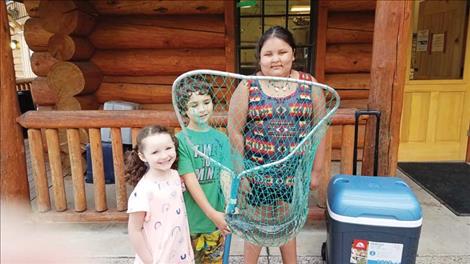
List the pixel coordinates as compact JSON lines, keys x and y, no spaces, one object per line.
{"x":87,"y":53}
{"x":344,"y":54}
{"x":133,"y":50}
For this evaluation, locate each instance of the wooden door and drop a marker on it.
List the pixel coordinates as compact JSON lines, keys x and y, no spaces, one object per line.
{"x":436,"y":107}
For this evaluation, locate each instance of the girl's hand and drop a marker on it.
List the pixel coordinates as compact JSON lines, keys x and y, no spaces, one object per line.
{"x":147,"y":217}
{"x":218,"y":218}
{"x":183,"y":186}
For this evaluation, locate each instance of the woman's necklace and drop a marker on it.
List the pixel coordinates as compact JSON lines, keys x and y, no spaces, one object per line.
{"x":279,"y":85}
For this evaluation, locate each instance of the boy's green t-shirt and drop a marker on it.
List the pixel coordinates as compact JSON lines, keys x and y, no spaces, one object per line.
{"x":214,"y":144}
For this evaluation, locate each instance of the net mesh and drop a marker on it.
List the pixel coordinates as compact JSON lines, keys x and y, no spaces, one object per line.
{"x":267,"y":177}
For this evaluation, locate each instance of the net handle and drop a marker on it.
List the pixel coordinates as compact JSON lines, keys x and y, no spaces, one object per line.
{"x":244,"y":77}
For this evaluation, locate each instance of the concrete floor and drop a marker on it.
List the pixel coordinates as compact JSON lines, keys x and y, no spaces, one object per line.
{"x":445,"y":238}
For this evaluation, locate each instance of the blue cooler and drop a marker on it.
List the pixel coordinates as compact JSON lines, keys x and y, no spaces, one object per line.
{"x":371,"y":220}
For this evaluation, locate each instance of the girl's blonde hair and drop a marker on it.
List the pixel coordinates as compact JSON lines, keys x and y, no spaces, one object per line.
{"x":135,"y":168}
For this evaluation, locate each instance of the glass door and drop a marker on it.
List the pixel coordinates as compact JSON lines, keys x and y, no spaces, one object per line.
{"x":255,"y":17}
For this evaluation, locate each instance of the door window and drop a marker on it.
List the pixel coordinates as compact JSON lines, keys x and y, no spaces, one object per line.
{"x":255,"y":17}
{"x":439,"y":39}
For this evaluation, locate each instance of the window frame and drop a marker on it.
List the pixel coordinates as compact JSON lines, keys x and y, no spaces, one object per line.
{"x":311,"y":46}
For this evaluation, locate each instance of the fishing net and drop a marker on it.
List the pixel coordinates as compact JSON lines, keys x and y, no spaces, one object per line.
{"x":266,"y":177}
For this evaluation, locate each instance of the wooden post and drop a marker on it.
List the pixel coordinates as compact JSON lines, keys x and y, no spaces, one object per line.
{"x":229,"y":35}
{"x":98,"y":169}
{"x":39,"y":169}
{"x":391,"y":39}
{"x":347,"y":149}
{"x":326,"y":173}
{"x":118,"y":162}
{"x":14,"y":179}
{"x":321,"y":41}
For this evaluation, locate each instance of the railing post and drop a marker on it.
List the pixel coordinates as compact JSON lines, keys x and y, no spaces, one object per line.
{"x":118,"y":161}
{"x":79,"y":198}
{"x":98,"y":170}
{"x":347,"y":137}
{"x":58,"y":186}
{"x":325,"y":177}
{"x":39,"y":169}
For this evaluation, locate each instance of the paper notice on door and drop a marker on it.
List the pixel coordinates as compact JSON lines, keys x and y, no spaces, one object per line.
{"x":371,"y":252}
{"x":422,"y":40}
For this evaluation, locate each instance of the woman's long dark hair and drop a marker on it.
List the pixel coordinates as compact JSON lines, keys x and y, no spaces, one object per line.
{"x":135,"y":168}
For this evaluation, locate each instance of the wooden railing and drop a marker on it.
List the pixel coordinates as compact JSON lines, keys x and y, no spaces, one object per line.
{"x":43,"y":127}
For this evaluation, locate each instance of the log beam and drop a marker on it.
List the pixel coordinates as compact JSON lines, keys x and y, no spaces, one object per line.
{"x":334,"y":35}
{"x":131,"y":32}
{"x":41,"y":92}
{"x":391,"y":38}
{"x":163,"y":62}
{"x":41,"y":63}
{"x":65,"y":47}
{"x":35,"y":36}
{"x":358,"y":5}
{"x":138,"y":93}
{"x":32,"y":7}
{"x":166,"y":7}
{"x":350,"y":27}
{"x":81,"y":102}
{"x":348,"y":58}
{"x":67,"y":17}
{"x":348,"y":80}
{"x":77,"y":78}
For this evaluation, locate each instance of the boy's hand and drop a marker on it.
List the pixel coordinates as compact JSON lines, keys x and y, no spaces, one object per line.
{"x":218,"y":218}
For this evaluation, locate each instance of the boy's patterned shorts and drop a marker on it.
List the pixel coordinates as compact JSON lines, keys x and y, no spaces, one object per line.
{"x":208,"y":248}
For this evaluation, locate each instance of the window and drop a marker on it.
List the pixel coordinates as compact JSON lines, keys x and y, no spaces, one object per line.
{"x":255,"y":17}
{"x":439,"y":36}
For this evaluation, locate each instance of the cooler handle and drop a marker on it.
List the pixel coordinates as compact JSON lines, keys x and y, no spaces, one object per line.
{"x":357,"y":114}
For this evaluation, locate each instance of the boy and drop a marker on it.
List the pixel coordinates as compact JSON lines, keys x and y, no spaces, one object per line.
{"x":204,"y":201}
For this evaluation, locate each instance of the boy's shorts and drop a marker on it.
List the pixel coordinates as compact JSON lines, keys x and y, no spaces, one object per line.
{"x":208,"y":248}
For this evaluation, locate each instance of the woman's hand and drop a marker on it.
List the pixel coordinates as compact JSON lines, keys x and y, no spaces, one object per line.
{"x":315,"y":180}
{"x":218,"y":218}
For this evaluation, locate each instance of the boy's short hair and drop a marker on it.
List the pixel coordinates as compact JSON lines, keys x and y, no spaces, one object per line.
{"x":187,"y":88}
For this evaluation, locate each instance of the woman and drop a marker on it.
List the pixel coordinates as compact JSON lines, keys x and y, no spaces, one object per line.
{"x":274,"y":125}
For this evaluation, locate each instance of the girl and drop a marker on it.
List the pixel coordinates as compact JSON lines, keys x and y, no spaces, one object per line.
{"x":285,"y":107}
{"x":163,"y":235}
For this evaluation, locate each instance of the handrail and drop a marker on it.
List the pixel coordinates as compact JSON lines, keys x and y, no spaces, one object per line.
{"x":128,"y":118}
{"x":52,"y":121}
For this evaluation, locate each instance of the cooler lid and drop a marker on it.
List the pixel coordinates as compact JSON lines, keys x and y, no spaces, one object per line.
{"x":372,"y":197}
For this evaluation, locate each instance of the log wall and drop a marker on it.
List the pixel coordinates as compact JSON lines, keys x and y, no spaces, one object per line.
{"x":344,"y":53}
{"x":119,"y":49}
{"x":147,"y":39}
